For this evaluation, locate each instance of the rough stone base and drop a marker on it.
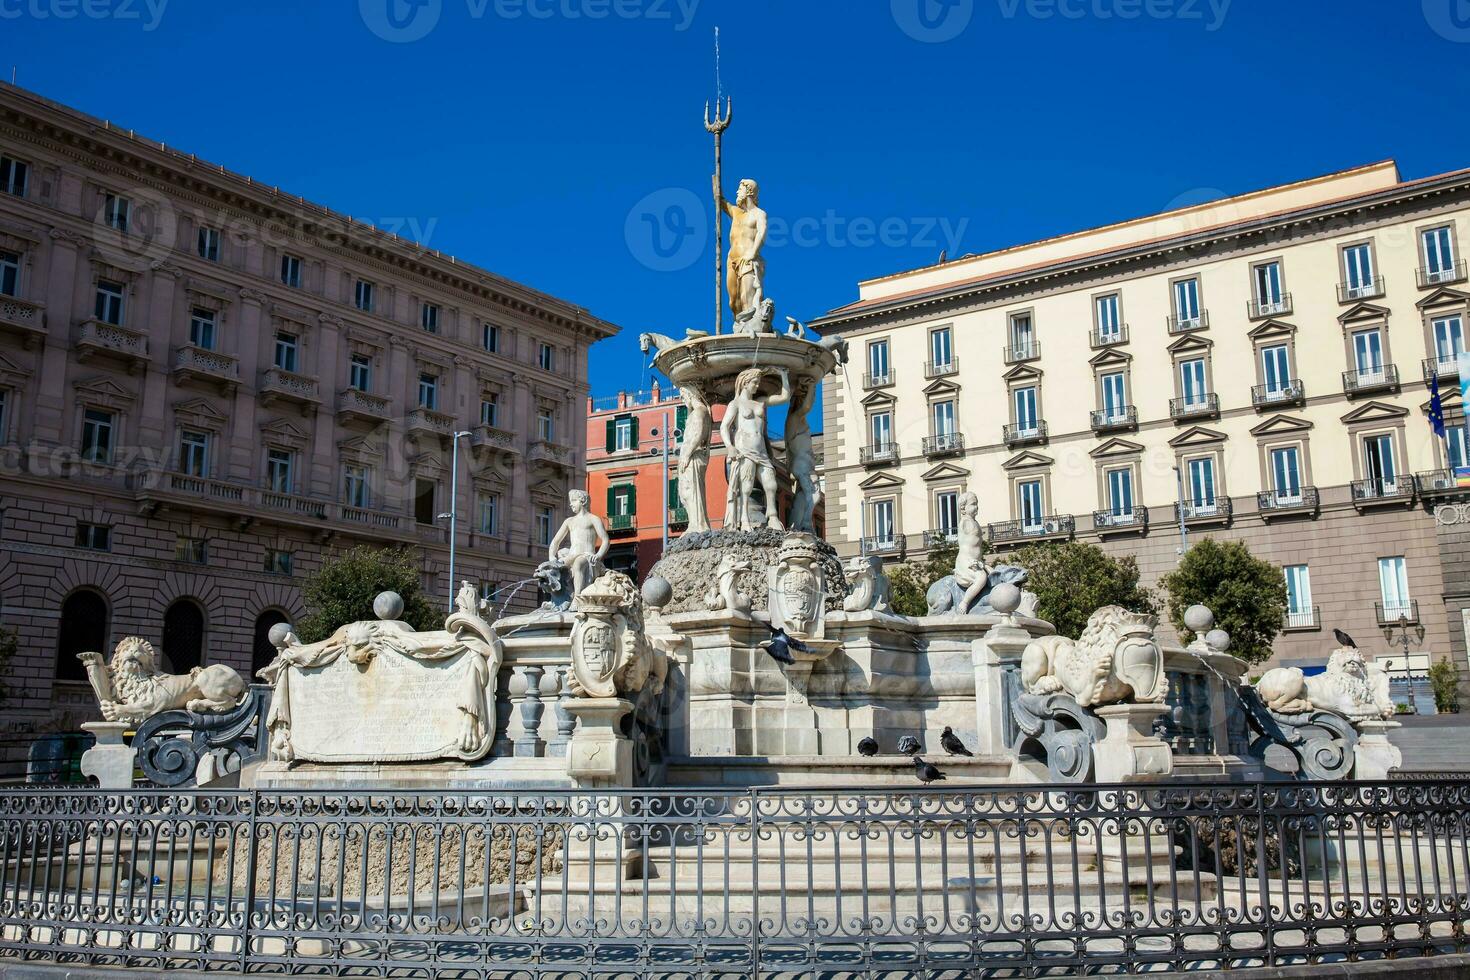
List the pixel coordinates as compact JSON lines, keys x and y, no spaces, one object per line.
{"x":692,"y":566}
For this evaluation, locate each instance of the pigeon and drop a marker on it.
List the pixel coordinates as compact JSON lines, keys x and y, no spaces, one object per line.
{"x":926,"y":772}
{"x":779,"y":646}
{"x":1344,"y":639}
{"x":952,"y":744}
{"x":868,"y":747}
{"x":909,"y":745}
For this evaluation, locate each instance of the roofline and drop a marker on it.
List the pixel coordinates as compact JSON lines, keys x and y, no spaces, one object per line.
{"x":292,"y":207}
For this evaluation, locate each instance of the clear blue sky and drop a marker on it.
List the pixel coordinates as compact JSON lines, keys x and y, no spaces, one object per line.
{"x":527,"y":136}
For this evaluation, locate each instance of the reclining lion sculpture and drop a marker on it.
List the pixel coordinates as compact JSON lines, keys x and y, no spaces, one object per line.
{"x":132,"y":689}
{"x":1116,"y":659}
{"x":1350,"y":687}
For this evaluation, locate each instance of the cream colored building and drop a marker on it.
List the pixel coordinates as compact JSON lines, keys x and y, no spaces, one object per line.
{"x":1264,"y":358}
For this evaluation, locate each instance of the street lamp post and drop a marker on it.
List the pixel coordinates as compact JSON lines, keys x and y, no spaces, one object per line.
{"x":1183,"y":534}
{"x":664,"y":431}
{"x":1402,"y":639}
{"x":453,"y":514}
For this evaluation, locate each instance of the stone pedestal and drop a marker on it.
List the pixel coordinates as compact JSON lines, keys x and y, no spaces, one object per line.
{"x":994,"y":657}
{"x":1130,"y":750}
{"x":600,"y":755}
{"x":1375,"y":756}
{"x":110,"y":761}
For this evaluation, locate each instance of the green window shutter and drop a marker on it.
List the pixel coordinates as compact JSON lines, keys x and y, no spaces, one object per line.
{"x":612,"y":434}
{"x":612,"y":500}
{"x":633,"y":421}
{"x":632,"y":499}
{"x":681,"y":415}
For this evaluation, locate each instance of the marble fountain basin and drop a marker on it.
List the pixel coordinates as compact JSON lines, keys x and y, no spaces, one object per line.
{"x":716,"y":360}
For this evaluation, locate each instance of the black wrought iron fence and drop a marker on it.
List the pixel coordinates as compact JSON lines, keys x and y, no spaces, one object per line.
{"x":859,"y":881}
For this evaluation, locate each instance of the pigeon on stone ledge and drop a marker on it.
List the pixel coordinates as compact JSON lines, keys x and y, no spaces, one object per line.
{"x":868,"y":747}
{"x":779,"y":646}
{"x":926,"y":772}
{"x":952,"y":744}
{"x":909,"y":745}
{"x":1344,"y":640}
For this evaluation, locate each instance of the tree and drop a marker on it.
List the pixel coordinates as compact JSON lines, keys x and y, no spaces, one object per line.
{"x":344,"y":590}
{"x":1073,"y":579}
{"x":1445,"y":680}
{"x":910,"y":581}
{"x":1247,"y":595}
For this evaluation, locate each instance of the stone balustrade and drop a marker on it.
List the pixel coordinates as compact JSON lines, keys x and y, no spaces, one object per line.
{"x":113,"y":340}
{"x":278,"y":384}
{"x":23,"y":318}
{"x":193,"y":363}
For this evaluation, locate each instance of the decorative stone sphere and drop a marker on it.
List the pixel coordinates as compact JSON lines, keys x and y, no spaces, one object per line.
{"x":278,"y":634}
{"x":1218,"y":640}
{"x":1005,"y":598}
{"x":1199,"y":619}
{"x":388,"y":605}
{"x":657,"y":591}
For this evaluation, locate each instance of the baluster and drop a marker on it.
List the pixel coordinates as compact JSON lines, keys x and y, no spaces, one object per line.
{"x":502,"y":745}
{"x":528,"y":742}
{"x":565,"y":720}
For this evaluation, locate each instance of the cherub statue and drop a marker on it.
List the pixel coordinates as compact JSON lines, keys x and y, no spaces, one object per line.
{"x":587,"y":543}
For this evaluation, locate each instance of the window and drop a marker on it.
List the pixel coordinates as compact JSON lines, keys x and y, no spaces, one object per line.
{"x":278,"y":466}
{"x":545,"y":425}
{"x":1457,"y":449}
{"x":489,"y":513}
{"x":291,"y":271}
{"x":1449,"y":340}
{"x":1120,"y":491}
{"x":943,"y":418}
{"x":1023,"y":401}
{"x":1439,"y":254}
{"x":490,"y":410}
{"x":1269,"y":296}
{"x":194,"y":453}
{"x":1028,"y":504}
{"x":878,"y":361}
{"x":880,"y":426}
{"x":1368,"y":355}
{"x":9,"y":274}
{"x":277,"y":562}
{"x":209,"y":243}
{"x":360,"y":372}
{"x":1023,"y":336}
{"x":192,"y":550}
{"x":623,"y":434}
{"x":1299,"y":610}
{"x":116,"y":211}
{"x":429,"y":317}
{"x":1378,"y":463}
{"x":1276,"y":369}
{"x":201,"y":329}
{"x":1286,"y":474}
{"x":490,"y":337}
{"x":356,"y":480}
{"x":941,"y":348}
{"x":429,"y":392}
{"x":881,"y":523}
{"x":183,"y":636}
{"x":1186,"y":303}
{"x":947,"y":510}
{"x":546,"y":357}
{"x":1201,"y":488}
{"x":287,"y":347}
{"x":13,"y":178}
{"x":1109,"y":320}
{"x":423,"y":501}
{"x":1114,"y":396}
{"x":545,"y":519}
{"x":1192,"y":382}
{"x":109,"y":301}
{"x":621,"y":500}
{"x":1357,"y":265}
{"x":82,"y":628}
{"x":95,"y":537}
{"x":1393,"y":584}
{"x":363,"y":296}
{"x":97,"y":427}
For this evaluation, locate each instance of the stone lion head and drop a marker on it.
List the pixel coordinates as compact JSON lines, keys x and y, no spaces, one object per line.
{"x":134,"y":657}
{"x":1348,"y":660}
{"x":1126,"y":640}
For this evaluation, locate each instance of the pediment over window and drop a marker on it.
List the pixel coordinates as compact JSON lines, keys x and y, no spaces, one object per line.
{"x":1021,"y":373}
{"x":1449,"y":398}
{"x":1191,"y":344}
{"x":200,"y":413}
{"x":431,"y":460}
{"x":103,"y":391}
{"x":11,"y":371}
{"x":1116,"y":447}
{"x":286,"y":311}
{"x":1364,"y":313}
{"x":941,"y":387}
{"x":285,"y":433}
{"x":881,"y":481}
{"x":1374,"y":412}
{"x":946,"y":471}
{"x":1112,"y":357}
{"x":1271,"y":330}
{"x":878,"y":399}
{"x":1197,"y":435}
{"x":1280,"y":425}
{"x":1444,"y":296}
{"x":547,"y":490}
{"x":212,"y":295}
{"x":359,"y":448}
{"x":1026,"y":460}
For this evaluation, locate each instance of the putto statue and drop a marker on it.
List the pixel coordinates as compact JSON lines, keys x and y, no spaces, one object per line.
{"x":611,"y":654}
{"x":1350,"y":687}
{"x":586,"y":543}
{"x":871,"y":591}
{"x":744,"y":432}
{"x":1116,"y":659}
{"x":132,"y":689}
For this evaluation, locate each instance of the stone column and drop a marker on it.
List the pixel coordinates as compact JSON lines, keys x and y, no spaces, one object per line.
{"x":1130,"y":750}
{"x":996,"y":656}
{"x":1374,"y":757}
{"x":110,"y":761}
{"x":599,"y":757}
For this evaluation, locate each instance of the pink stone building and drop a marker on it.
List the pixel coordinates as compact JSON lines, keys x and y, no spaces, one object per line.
{"x":207,"y":384}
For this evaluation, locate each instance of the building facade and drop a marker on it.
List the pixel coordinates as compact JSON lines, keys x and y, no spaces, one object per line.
{"x":1255,"y":368}
{"x":207,"y":384}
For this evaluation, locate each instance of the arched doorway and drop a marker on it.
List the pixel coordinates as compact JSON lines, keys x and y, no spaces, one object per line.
{"x":183,"y":637}
{"x":264,"y":653}
{"x":83,"y":629}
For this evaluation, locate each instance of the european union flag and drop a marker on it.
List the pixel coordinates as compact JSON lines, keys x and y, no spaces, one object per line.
{"x":1436,"y":407}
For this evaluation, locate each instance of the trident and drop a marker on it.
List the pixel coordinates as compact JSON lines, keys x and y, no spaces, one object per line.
{"x":717,"y":126}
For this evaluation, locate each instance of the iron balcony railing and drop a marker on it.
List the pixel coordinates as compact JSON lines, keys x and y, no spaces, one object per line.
{"x":1110,"y":419}
{"x":1352,"y":292}
{"x":1399,"y":490}
{"x":1134,"y":519}
{"x":1185,"y":324}
{"x":1435,"y":482}
{"x":878,"y":453}
{"x":1217,"y":510}
{"x":678,"y":516}
{"x":1392,"y":613}
{"x":1260,"y":309}
{"x":944,"y":444}
{"x":881,"y":544}
{"x":939,"y":537}
{"x":878,"y":380}
{"x":1303,"y":500}
{"x":1020,"y":435}
{"x":622,"y":522}
{"x":1055,"y":526}
{"x":1302,"y":619}
{"x":1441,"y":367}
{"x":1359,"y":382}
{"x":941,"y":369}
{"x":1281,"y":393}
{"x":1017,"y":353}
{"x":1198,"y":405}
{"x":1110,"y":338}
{"x":1439,"y":277}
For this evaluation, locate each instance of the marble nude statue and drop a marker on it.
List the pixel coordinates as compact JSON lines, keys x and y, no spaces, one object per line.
{"x":132,"y":689}
{"x":1115,"y":659}
{"x":745,"y":269}
{"x":580,"y":543}
{"x":694,"y":457}
{"x":969,"y":565}
{"x":1350,"y":686}
{"x":800,"y":459}
{"x":744,"y":432}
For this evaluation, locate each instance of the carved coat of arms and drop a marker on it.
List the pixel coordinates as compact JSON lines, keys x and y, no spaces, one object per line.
{"x":798,"y":590}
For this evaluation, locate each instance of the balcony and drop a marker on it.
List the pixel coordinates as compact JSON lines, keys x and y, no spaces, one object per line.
{"x":1429,"y":278}
{"x":428,"y":422}
{"x":1021,"y":353}
{"x":1392,"y":613}
{"x":1437,"y":483}
{"x":1018,"y":435}
{"x":1274,"y":503}
{"x":1114,"y":419}
{"x":1215,"y":512}
{"x":1264,"y":309}
{"x":1356,"y":383}
{"x":878,"y":380}
{"x":1133,"y":521}
{"x":1291,"y":392}
{"x":246,"y":504}
{"x":946,"y":444}
{"x":290,"y":503}
{"x":552,"y":453}
{"x":363,"y":407}
{"x":1442,"y":368}
{"x":1199,"y":406}
{"x":1110,"y":339}
{"x":678,"y":517}
{"x":942,"y":369}
{"x":1053,"y":528}
{"x":113,"y":340}
{"x":1302,"y":620}
{"x":278,"y":384}
{"x":1353,"y":292}
{"x":492,"y":440}
{"x":22,"y":318}
{"x":882,"y":545}
{"x":940,"y":537}
{"x":1178,"y":324}
{"x":622,"y":523}
{"x":1378,"y":492}
{"x":382,"y":520}
{"x":195,"y":365}
{"x":878,"y":454}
